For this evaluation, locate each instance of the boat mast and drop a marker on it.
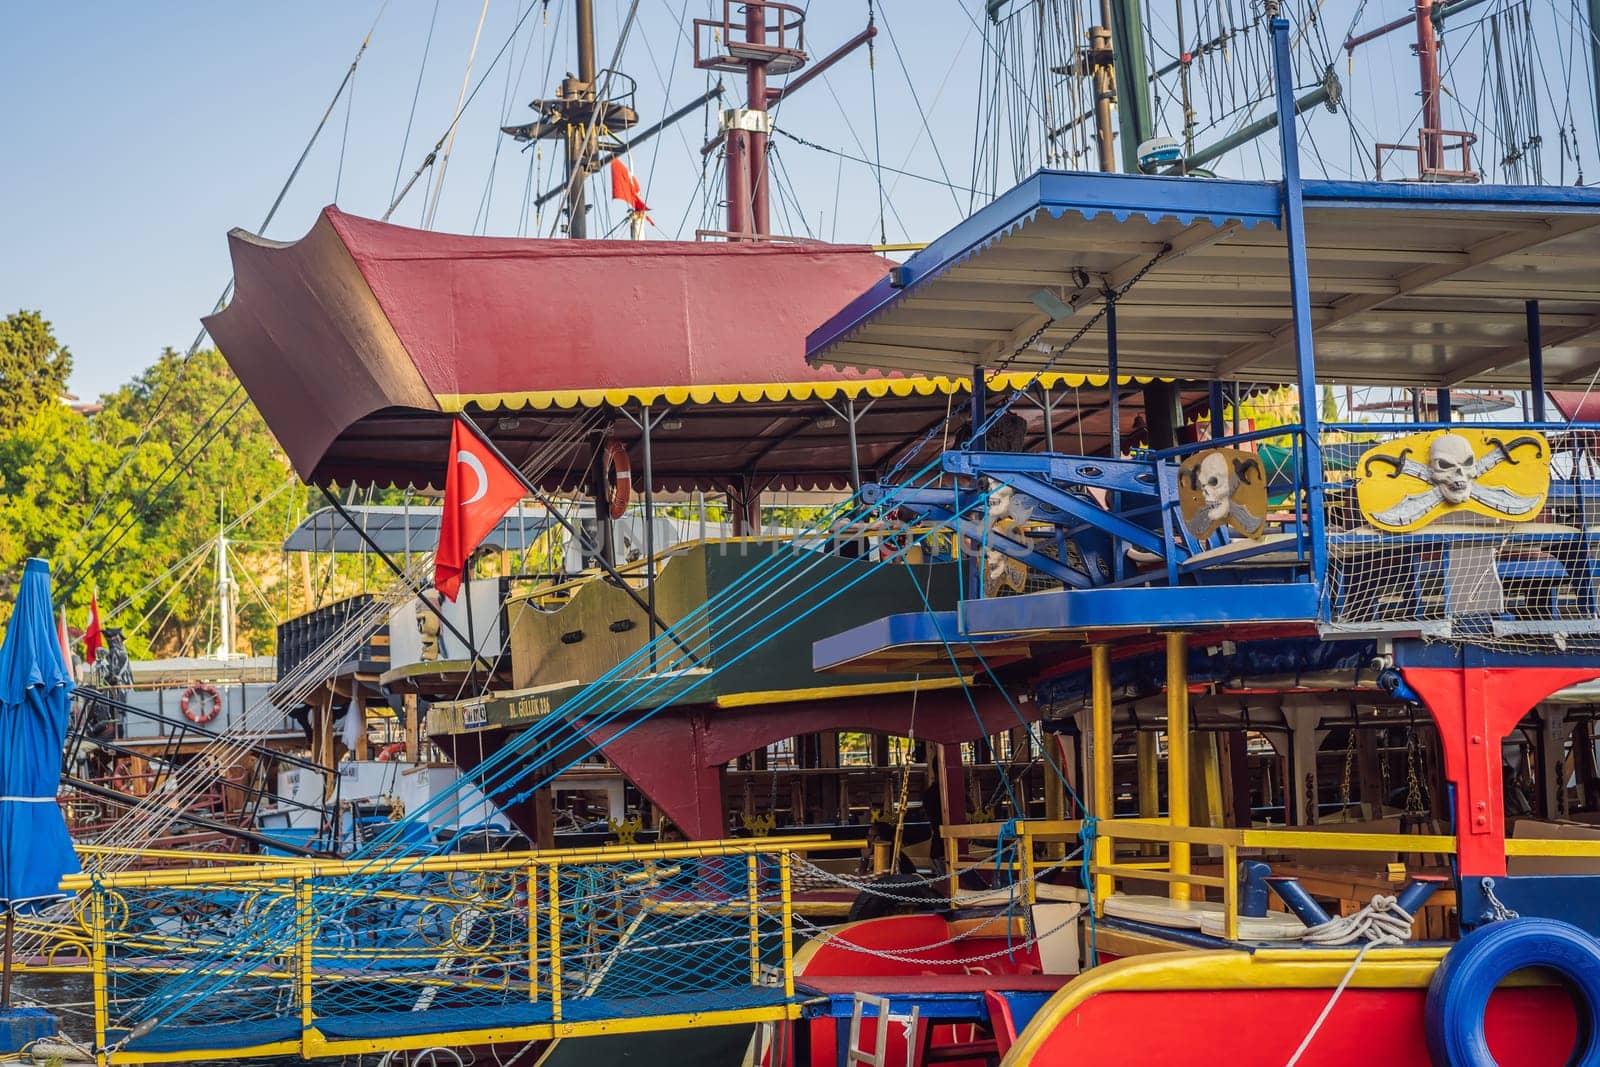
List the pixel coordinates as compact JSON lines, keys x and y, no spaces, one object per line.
{"x":1594,"y":59}
{"x":1098,"y":60}
{"x":580,"y":133}
{"x":225,"y":592}
{"x":1427,"y":48}
{"x":1126,"y":22}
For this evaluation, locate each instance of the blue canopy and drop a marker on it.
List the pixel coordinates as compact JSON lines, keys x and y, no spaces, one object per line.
{"x":35,"y":695}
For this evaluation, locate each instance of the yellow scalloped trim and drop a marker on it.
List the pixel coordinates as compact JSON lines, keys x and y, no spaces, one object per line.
{"x":755,"y":392}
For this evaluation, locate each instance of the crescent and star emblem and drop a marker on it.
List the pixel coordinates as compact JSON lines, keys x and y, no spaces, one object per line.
{"x":476,"y":466}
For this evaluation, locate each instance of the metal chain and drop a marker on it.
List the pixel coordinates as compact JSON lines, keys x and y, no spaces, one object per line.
{"x":1349,"y":758}
{"x":1414,"y":802}
{"x":1498,"y":912}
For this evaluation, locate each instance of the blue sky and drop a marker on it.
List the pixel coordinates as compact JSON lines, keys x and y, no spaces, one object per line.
{"x":138,"y":134}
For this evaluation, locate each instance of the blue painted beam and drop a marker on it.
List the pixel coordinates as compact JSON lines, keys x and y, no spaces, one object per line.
{"x":1414,"y":653}
{"x":1148,"y":608}
{"x":891,"y":631}
{"x":1124,"y":475}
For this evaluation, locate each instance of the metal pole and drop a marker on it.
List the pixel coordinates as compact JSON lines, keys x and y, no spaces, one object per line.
{"x":1126,"y":19}
{"x":584,"y":10}
{"x":1114,"y":410}
{"x":1536,"y":350}
{"x":578,"y":133}
{"x":1115,"y":403}
{"x":646,"y":425}
{"x":1249,"y":133}
{"x":1178,"y":757}
{"x":1049,"y":409}
{"x":1105,"y":91}
{"x":855,"y":458}
{"x":1594,"y":54}
{"x":975,"y":435}
{"x":1428,"y":68}
{"x":5,"y":983}
{"x":1441,"y":399}
{"x":1100,"y":736}
{"x":1294,"y":228}
{"x":1219,"y":421}
{"x":755,"y":27}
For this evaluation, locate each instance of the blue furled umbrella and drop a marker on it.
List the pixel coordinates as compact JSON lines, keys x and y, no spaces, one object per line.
{"x":35,"y":695}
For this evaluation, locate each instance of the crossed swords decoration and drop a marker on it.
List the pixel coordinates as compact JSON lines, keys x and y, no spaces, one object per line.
{"x":1467,"y":471}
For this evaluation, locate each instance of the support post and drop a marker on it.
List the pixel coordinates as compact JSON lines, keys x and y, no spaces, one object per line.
{"x":555,"y":941}
{"x":98,"y":960}
{"x":1294,"y":227}
{"x":1148,"y":760}
{"x":5,"y":965}
{"x":1536,"y":340}
{"x":1474,"y":707}
{"x":646,"y":425}
{"x":1100,"y":737}
{"x":1178,"y":757}
{"x":306,"y":928}
{"x":1219,"y":424}
{"x":978,"y":412}
{"x":1441,"y":403}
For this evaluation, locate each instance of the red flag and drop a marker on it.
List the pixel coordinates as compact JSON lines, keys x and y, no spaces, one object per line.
{"x":478,"y":491}
{"x":91,"y":631}
{"x":624,"y":186}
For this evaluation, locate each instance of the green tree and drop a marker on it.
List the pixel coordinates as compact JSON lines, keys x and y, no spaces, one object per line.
{"x":128,"y":501}
{"x":34,"y":367}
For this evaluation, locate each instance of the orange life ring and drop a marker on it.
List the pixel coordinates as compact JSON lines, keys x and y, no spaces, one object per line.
{"x":619,"y":477}
{"x":389,"y":752}
{"x":204,"y":713}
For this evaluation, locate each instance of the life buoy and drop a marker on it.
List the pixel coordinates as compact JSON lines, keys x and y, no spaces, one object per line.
{"x":1459,"y":993}
{"x":210,"y":704}
{"x":389,"y":752}
{"x":619,"y":478}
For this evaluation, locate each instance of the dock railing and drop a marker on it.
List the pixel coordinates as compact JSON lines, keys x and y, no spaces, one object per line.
{"x":1017,"y":852}
{"x":316,"y":958}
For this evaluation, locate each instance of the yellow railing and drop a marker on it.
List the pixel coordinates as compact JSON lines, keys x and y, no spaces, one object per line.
{"x":553,"y":923}
{"x":1027,"y":844}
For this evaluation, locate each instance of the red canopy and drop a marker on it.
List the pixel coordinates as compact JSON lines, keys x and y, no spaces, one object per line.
{"x":358,"y":341}
{"x":361,"y":316}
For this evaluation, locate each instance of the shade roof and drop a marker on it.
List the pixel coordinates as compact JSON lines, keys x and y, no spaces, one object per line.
{"x":358,"y":342}
{"x":405,"y":529}
{"x":1410,"y":284}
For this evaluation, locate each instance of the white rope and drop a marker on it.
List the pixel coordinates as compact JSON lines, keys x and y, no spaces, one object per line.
{"x":1382,"y":922}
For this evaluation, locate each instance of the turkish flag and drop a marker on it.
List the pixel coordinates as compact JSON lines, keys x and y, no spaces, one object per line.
{"x":91,"y":631}
{"x":625,"y":187}
{"x":478,"y":491}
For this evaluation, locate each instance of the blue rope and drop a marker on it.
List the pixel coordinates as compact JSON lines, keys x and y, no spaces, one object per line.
{"x":624,"y":700}
{"x":1086,"y":838}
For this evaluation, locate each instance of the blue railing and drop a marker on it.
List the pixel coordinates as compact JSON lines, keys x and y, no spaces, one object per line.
{"x":1176,"y":516}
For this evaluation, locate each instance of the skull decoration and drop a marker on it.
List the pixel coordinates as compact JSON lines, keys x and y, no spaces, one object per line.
{"x":1007,"y":512}
{"x":1453,"y":478}
{"x":1217,"y":483}
{"x":1450,"y":467}
{"x":1223,"y":487}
